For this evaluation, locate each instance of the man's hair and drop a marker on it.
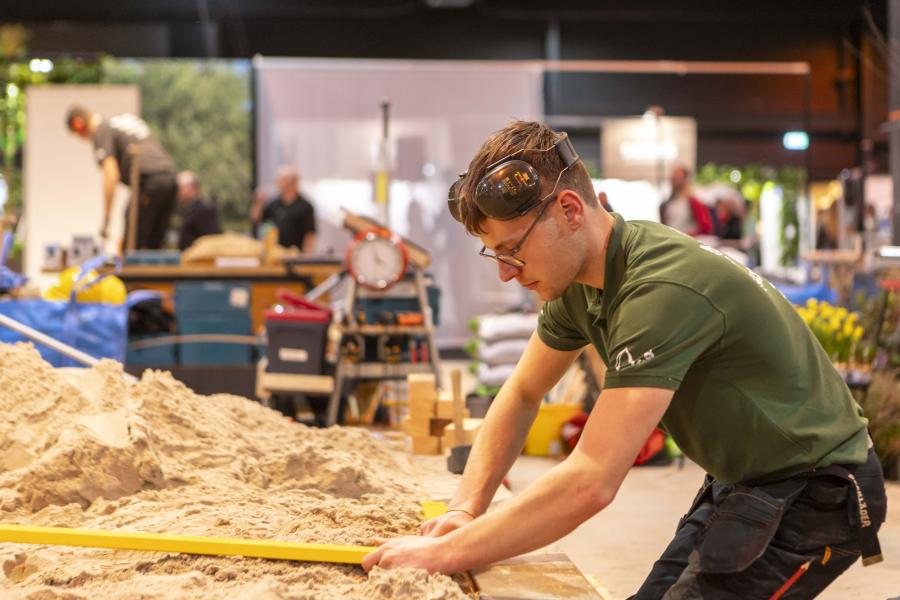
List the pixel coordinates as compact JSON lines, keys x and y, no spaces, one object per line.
{"x":77,"y":111}
{"x":518,"y":135}
{"x":188,"y":178}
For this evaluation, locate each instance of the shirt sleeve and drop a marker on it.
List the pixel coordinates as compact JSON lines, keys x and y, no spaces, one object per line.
{"x":557,"y":330}
{"x":104,"y":143}
{"x":656,"y":333}
{"x":308,"y":224}
{"x":268,"y":213}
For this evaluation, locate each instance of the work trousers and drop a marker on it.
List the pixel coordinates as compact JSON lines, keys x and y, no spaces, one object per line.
{"x":158,"y":195}
{"x":792,"y":537}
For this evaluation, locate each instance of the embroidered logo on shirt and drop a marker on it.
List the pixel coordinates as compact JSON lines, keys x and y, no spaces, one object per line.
{"x":624,"y":359}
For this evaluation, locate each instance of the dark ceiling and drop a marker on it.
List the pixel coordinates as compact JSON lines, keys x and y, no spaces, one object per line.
{"x":740,"y":119}
{"x":396,"y":28}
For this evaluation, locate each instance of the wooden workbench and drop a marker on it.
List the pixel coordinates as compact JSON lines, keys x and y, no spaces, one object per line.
{"x":264,"y":281}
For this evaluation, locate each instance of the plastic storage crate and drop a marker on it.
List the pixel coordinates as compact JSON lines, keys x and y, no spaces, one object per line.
{"x":297,"y":330}
{"x":213,"y":307}
{"x":156,"y":356}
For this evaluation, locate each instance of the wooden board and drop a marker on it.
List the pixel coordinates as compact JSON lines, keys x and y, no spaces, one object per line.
{"x":541,"y":575}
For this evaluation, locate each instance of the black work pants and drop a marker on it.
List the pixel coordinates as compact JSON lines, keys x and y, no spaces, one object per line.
{"x":158,"y":195}
{"x":741,"y":542}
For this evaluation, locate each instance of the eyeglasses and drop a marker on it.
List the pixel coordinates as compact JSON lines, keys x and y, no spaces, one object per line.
{"x":510,"y":258}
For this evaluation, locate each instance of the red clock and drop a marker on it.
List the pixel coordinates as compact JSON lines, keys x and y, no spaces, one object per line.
{"x":377,"y":258}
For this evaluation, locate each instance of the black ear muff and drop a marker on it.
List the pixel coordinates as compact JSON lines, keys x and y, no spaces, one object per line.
{"x":508,"y":190}
{"x":453,"y":197}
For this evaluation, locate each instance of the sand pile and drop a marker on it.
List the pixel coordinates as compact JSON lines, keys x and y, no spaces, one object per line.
{"x":82,"y":447}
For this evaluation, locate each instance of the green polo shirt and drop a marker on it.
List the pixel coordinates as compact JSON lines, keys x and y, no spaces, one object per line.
{"x":756,"y":398}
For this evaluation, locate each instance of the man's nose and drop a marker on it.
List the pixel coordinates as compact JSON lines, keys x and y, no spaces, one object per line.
{"x":505,"y":271}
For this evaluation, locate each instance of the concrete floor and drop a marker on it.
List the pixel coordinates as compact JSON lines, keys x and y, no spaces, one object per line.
{"x":618,"y":546}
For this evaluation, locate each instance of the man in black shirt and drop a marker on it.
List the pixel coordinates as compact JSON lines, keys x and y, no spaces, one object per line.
{"x":118,"y":142}
{"x":291,"y":213}
{"x":199,"y":216}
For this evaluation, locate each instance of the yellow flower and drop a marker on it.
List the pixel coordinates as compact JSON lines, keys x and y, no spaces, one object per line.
{"x":842,"y":312}
{"x":857,"y":333}
{"x":811,"y":303}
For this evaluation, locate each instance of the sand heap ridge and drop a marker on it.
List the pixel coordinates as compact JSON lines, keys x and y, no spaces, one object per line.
{"x":83,"y":447}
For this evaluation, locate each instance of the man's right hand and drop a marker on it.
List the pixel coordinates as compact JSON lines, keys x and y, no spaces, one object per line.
{"x":104,"y":229}
{"x":447,"y":522}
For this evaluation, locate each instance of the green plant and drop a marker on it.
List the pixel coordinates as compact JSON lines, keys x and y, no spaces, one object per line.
{"x":16,"y":75}
{"x":881,"y":405}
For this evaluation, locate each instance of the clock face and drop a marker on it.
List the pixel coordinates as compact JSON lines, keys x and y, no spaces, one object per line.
{"x":377,"y":260}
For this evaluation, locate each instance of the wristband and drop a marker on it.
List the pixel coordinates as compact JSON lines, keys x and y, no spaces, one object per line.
{"x":462,"y":510}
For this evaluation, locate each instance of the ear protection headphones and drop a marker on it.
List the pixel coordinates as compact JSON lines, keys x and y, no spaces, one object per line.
{"x":511,"y":186}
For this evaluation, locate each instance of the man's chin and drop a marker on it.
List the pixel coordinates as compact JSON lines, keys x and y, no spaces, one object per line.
{"x":547,"y":295}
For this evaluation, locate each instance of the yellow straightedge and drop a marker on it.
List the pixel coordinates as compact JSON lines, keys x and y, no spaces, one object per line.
{"x":218,"y":546}
{"x":432,"y":509}
{"x":156,"y":542}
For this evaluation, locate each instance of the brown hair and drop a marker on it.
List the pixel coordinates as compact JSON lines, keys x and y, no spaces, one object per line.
{"x":529,"y":135}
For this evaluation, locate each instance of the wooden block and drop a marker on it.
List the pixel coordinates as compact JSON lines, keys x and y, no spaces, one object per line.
{"x":415,"y":426}
{"x":422,"y":395}
{"x":421,"y":382}
{"x":421,"y":408}
{"x":444,"y":409}
{"x":470,"y":429}
{"x":424,"y":444}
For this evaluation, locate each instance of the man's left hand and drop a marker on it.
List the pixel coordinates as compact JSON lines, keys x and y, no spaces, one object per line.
{"x":429,"y":553}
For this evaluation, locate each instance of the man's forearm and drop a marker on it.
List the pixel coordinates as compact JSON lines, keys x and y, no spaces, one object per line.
{"x":498,"y":444}
{"x":309,"y":243}
{"x":552,"y":507}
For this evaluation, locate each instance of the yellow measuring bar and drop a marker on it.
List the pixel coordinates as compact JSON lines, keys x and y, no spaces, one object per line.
{"x":158,"y":542}
{"x":218,"y":546}
{"x":432,"y":509}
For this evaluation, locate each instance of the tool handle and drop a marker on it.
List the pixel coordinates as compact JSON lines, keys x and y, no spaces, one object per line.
{"x":456,"y":382}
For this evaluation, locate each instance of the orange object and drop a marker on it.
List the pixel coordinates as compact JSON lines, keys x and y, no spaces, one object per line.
{"x":410,"y":318}
{"x":790,"y":582}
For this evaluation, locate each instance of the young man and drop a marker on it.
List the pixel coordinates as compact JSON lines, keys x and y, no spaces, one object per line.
{"x":692,"y":340}
{"x":118,"y":142}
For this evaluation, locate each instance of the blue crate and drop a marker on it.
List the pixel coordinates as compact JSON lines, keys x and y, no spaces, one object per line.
{"x":157,"y":356}
{"x":205,"y":296}
{"x":216,"y":322}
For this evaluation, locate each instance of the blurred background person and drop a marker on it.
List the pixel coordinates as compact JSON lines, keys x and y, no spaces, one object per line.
{"x":199,"y":216}
{"x":729,"y":218}
{"x":288,"y":210}
{"x":118,"y":142}
{"x":682,"y":210}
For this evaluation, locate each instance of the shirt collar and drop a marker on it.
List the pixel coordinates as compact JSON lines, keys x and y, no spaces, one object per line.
{"x":600,"y":300}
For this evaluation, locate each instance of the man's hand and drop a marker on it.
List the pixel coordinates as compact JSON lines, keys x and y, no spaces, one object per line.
{"x":104,"y":228}
{"x":427,"y":553}
{"x":256,"y":207}
{"x":446,"y":523}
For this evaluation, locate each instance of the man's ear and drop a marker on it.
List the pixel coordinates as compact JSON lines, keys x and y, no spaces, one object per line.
{"x":572,"y":207}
